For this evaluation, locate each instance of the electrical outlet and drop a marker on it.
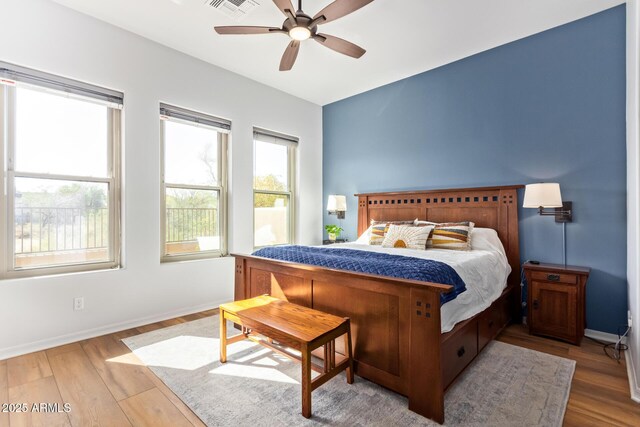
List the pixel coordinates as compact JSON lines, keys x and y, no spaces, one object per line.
{"x":78,"y":304}
{"x":629,"y":318}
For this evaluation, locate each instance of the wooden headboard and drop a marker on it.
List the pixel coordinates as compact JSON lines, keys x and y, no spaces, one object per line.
{"x":489,"y":207}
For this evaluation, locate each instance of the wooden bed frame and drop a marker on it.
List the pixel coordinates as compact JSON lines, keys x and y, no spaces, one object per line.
{"x":396,"y":322}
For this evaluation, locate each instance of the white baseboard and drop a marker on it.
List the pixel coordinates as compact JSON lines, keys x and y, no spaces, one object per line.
{"x":19,"y":350}
{"x":634,"y":390}
{"x":633,"y":379}
{"x":603,"y":336}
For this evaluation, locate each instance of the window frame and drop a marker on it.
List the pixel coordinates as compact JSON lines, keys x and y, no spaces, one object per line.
{"x":8,"y":144}
{"x":291,"y":143}
{"x":223,"y":143}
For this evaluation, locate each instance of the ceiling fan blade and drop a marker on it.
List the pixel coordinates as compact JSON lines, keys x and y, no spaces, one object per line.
{"x":247,"y":30}
{"x":340,"y":8}
{"x":340,"y":45}
{"x":290,"y":55}
{"x":287,"y":9}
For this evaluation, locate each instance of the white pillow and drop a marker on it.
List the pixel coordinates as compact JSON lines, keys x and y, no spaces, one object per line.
{"x":364,"y":237}
{"x":486,"y":239}
{"x":403,"y":236}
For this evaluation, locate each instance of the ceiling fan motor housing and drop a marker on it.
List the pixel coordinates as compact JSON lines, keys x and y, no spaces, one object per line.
{"x":302,"y":20}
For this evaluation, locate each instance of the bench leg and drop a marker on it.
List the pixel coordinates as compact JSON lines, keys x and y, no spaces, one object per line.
{"x":332,"y":353}
{"x":349,"y":354}
{"x":306,"y":382}
{"x":327,"y":367}
{"x":223,"y":337}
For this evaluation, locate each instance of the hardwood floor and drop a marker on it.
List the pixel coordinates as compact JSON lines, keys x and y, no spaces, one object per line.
{"x":106,"y":385}
{"x":4,"y":392}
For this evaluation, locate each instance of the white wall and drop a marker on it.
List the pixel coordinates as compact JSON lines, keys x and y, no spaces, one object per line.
{"x":37,"y":313}
{"x":633,"y":193}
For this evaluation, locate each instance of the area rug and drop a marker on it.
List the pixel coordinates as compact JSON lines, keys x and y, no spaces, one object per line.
{"x":505,"y":386}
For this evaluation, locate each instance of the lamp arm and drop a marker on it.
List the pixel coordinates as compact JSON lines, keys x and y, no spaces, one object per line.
{"x":554,"y":212}
{"x":563,"y":214}
{"x":339,"y":214}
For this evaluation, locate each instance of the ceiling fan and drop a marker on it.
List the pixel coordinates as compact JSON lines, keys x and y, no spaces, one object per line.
{"x":300,"y":26}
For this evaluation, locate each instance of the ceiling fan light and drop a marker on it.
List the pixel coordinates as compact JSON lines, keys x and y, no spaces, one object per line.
{"x":299,"y":33}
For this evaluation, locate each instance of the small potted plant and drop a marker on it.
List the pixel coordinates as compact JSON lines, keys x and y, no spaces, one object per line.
{"x":333,"y":231}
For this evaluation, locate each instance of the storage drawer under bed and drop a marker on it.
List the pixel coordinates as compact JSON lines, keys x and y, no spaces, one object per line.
{"x":458,"y":351}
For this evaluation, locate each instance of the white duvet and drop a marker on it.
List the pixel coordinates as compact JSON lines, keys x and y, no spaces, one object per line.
{"x":484,"y":272}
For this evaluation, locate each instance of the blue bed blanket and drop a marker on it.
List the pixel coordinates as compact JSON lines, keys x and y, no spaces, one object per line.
{"x":382,"y":264}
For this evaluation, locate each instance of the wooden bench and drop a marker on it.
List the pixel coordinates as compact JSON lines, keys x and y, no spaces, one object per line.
{"x":287,"y":325}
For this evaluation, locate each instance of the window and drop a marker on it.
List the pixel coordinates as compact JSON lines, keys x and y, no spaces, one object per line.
{"x":61,"y":139}
{"x":194,"y":153}
{"x":273,"y":188}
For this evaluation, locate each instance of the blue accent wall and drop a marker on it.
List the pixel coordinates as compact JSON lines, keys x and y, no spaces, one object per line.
{"x":549,"y":107}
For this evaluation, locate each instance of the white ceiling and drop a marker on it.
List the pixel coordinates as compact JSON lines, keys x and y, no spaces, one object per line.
{"x":402,"y":37}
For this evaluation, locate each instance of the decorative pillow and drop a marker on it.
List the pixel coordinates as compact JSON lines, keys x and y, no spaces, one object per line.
{"x":407,"y":222}
{"x":420,"y":223}
{"x":452,"y":235}
{"x":406,"y":236}
{"x":378,"y":232}
{"x":379,"y":229}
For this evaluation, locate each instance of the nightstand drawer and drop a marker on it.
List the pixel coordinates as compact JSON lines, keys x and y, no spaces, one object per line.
{"x":331,"y":242}
{"x":549,"y":276}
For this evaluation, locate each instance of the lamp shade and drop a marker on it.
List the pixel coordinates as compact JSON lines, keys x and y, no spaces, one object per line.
{"x":337,"y":203}
{"x":546,"y":195}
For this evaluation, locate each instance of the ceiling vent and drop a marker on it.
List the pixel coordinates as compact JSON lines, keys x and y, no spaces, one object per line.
{"x":236,"y":9}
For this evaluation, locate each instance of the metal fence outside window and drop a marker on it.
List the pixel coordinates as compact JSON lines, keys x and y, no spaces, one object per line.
{"x":48,"y":229}
{"x":52,"y":229}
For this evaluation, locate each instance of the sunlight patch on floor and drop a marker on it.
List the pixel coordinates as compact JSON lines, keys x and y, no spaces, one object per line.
{"x":251,"y":356}
{"x":185,"y":352}
{"x":126,"y":359}
{"x":253,"y":372}
{"x":266,"y":361}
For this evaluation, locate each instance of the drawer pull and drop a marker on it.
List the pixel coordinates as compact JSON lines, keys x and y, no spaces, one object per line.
{"x":491,"y":323}
{"x":553,"y":277}
{"x":536,"y":304}
{"x":461,"y":351}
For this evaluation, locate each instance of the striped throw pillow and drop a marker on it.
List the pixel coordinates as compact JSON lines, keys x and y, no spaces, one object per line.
{"x":451,"y":235}
{"x":432,"y":225}
{"x":407,"y":222}
{"x":378,"y":231}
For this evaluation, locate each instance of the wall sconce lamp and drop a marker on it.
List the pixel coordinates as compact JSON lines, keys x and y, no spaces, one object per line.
{"x":337,"y":205}
{"x":547,"y":199}
{"x":544,"y":196}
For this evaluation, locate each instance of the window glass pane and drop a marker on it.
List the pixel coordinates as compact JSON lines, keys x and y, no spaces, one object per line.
{"x":191,"y":154}
{"x":271,"y":219}
{"x":60,"y":135}
{"x":192,"y":221}
{"x":60,"y":222}
{"x":270,"y":167}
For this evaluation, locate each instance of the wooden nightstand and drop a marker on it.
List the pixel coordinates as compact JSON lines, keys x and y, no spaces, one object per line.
{"x":331,"y":242}
{"x":556,"y":300}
